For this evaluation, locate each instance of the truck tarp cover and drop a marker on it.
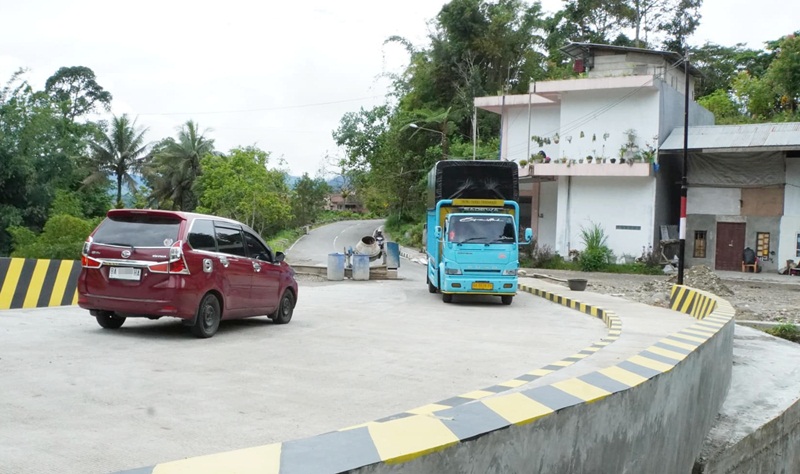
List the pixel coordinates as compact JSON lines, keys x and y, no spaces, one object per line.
{"x":467,"y":179}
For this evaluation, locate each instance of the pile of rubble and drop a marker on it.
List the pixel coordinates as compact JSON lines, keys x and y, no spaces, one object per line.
{"x":703,"y":278}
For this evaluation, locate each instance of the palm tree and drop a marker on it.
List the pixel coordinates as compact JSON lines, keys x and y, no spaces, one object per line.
{"x":176,"y":166}
{"x":118,"y":153}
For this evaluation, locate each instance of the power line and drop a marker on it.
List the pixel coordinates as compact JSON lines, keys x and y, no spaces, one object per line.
{"x":263,"y":109}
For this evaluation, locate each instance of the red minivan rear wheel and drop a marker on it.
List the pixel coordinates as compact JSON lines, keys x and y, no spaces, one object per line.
{"x":206,"y":321}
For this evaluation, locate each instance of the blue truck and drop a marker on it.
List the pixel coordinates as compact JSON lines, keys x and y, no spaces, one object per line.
{"x":472,"y":229}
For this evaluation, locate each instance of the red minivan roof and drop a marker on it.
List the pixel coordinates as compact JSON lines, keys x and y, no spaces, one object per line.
{"x":165,"y":213}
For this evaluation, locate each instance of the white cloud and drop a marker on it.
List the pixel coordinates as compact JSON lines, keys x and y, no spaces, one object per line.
{"x":242,"y":68}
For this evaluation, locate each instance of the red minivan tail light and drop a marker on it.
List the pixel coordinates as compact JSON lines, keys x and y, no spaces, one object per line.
{"x":176,"y":263}
{"x":86,"y":260}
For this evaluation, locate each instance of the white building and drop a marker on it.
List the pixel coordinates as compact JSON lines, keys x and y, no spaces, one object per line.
{"x":744,"y":191}
{"x":625,"y":105}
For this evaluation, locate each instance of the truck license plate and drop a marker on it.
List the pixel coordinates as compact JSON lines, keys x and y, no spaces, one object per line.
{"x":124,"y":273}
{"x":481,"y":285}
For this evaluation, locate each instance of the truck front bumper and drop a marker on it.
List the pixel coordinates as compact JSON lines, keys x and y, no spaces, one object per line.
{"x":479,"y":285}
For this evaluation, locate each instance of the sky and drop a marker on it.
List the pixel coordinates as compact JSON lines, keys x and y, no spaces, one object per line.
{"x":276,"y":75}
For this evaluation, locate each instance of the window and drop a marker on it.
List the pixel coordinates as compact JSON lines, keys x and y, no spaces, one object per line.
{"x":255,"y":248}
{"x":230,"y":241}
{"x":201,"y":236}
{"x":699,"y":244}
{"x":762,"y":245}
{"x":797,"y":247}
{"x":138,"y":231}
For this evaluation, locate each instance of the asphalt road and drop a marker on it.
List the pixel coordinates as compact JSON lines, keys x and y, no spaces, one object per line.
{"x":313,"y":248}
{"x":77,"y":398}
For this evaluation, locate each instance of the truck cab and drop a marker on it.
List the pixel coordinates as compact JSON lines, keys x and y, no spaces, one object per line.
{"x":472,"y":229}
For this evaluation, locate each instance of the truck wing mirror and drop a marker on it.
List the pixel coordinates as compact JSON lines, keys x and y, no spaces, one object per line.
{"x":438,"y":232}
{"x":528,"y":235}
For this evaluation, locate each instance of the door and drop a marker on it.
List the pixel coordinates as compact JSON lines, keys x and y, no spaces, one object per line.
{"x":237,"y":269}
{"x":266,"y":277}
{"x":730,"y":245}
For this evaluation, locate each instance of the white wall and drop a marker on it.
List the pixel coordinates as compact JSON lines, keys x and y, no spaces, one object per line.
{"x":715,"y":201}
{"x":787,"y":243}
{"x":791,"y":201}
{"x":790,"y":222}
{"x":516,"y":139}
{"x":612,"y":112}
{"x":609,"y":202}
{"x":548,"y":210}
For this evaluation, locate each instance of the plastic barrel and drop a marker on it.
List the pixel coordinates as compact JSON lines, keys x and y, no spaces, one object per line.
{"x":336,"y":266}
{"x":392,"y":254}
{"x":360,"y":267}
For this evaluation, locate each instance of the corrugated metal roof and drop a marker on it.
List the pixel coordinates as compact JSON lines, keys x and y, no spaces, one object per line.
{"x":766,"y":136}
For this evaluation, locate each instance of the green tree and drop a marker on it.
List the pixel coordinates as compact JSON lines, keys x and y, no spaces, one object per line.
{"x":719,"y":65}
{"x":784,"y":73}
{"x":679,"y":22}
{"x":76,"y":92}
{"x":118,"y":153}
{"x":308,"y":199}
{"x":240,"y":186}
{"x":176,"y":166}
{"x":38,"y":156}
{"x":755,"y":95}
{"x":723,"y":107}
{"x":476,"y":48}
{"x":592,"y":21}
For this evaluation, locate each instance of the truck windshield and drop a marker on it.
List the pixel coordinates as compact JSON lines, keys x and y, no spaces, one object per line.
{"x":482,"y":229}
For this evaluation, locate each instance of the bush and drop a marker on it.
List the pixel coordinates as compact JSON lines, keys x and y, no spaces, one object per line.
{"x":283,"y":239}
{"x":405,"y":230}
{"x":596,"y":255}
{"x":786,"y":331}
{"x":61,"y":239}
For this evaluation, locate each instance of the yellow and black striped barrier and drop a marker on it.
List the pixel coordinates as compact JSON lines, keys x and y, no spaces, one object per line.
{"x":32,"y":283}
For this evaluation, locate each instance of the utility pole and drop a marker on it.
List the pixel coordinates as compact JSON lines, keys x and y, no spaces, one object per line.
{"x":684,"y":185}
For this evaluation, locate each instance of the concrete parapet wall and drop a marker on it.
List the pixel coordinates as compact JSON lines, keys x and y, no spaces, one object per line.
{"x":30,"y":283}
{"x":758,"y":428}
{"x":657,"y":425}
{"x":649,"y":413}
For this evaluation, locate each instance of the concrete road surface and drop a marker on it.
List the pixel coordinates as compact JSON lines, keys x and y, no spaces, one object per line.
{"x":78,"y":398}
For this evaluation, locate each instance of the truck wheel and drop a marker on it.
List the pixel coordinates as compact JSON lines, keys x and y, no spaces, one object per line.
{"x":109,"y":320}
{"x":507,"y":299}
{"x":431,"y":288}
{"x":206,"y":322}
{"x":447,"y":298}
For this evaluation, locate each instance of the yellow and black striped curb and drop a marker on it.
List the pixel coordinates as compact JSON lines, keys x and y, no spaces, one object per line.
{"x":30,"y":283}
{"x":695,"y":303}
{"x":611,"y":320}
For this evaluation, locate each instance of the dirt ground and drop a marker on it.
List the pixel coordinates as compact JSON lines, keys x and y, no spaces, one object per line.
{"x":773,"y":301}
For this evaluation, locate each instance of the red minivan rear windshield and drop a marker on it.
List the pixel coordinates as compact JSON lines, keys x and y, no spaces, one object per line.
{"x":138,"y":231}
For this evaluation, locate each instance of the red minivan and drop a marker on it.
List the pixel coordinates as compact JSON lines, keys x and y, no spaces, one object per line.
{"x":199,"y":268}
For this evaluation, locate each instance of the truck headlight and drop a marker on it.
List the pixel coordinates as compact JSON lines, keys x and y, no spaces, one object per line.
{"x":510,"y":272}
{"x":452,"y":271}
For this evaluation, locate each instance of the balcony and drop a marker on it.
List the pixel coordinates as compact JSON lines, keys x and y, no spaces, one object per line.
{"x":587,"y":169}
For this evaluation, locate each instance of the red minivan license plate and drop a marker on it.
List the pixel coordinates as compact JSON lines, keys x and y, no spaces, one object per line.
{"x":124,"y":273}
